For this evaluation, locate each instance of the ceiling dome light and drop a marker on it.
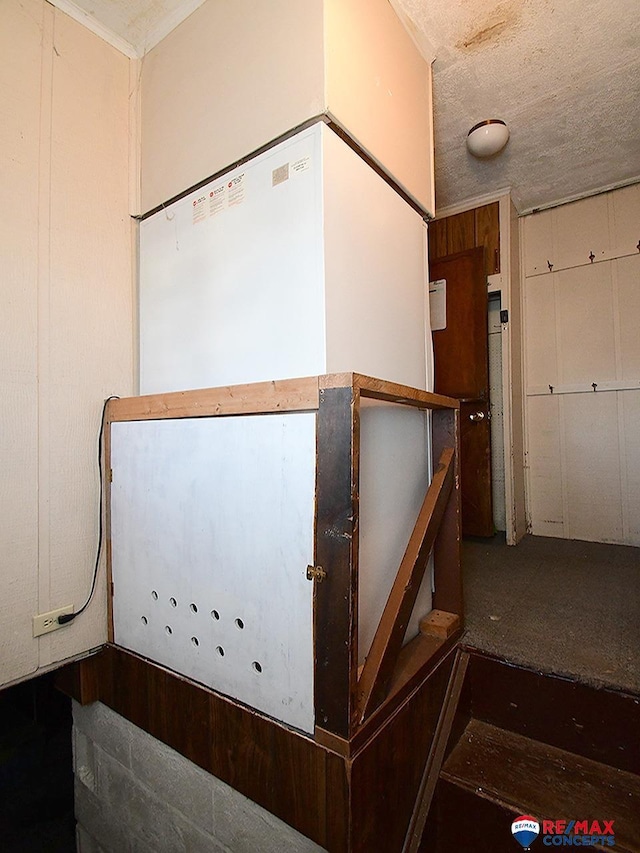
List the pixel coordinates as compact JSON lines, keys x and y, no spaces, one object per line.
{"x":487,"y":137}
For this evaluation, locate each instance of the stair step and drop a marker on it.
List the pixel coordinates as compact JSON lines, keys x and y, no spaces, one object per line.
{"x":597,"y":723}
{"x":530,"y":777}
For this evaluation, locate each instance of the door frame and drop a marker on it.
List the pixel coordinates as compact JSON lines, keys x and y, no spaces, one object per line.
{"x":507,"y":283}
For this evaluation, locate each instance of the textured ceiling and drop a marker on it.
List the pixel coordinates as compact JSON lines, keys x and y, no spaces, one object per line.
{"x":563,"y":74}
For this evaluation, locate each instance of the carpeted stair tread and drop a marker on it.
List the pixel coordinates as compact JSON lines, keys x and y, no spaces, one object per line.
{"x":534,"y":778}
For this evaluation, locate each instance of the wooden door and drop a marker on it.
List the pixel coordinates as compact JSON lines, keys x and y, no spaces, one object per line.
{"x":461,"y":359}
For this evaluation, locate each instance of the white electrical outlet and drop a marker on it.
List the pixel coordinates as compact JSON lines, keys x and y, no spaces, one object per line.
{"x":46,"y":622}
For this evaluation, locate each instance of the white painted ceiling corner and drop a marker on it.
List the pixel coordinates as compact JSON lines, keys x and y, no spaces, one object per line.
{"x":133,"y":27}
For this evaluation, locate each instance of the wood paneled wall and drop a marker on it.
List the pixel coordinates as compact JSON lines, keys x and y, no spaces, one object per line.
{"x":468,"y":230}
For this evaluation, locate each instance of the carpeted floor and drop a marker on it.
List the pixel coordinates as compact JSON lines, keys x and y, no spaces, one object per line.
{"x":567,"y":607}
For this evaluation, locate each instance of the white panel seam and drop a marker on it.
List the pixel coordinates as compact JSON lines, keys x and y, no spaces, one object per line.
{"x":43,"y":568}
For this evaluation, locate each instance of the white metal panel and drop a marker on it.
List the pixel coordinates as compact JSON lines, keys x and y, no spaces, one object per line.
{"x":212,"y":531}
{"x":540,"y":344}
{"x":624,"y":210}
{"x":375,"y":267}
{"x":231,"y":276}
{"x":580,"y":229}
{"x":545,"y":467}
{"x":592,"y":463}
{"x":627,"y":274}
{"x":582,"y":446}
{"x":395,"y":472}
{"x":586,"y":333}
{"x":538,"y":243}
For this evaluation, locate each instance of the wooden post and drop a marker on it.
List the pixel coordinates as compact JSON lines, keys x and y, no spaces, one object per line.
{"x":336,"y":594}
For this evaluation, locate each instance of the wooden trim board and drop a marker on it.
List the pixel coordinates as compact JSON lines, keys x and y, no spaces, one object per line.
{"x":286,"y":395}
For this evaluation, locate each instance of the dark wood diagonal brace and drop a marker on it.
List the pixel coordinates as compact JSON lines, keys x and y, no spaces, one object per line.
{"x":387,"y":643}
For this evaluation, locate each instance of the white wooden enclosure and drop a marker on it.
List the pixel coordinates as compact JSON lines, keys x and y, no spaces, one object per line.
{"x":302,"y":261}
{"x":582,"y":314}
{"x":212,"y":531}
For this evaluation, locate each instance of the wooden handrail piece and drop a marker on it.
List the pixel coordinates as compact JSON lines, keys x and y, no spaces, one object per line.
{"x":387,"y":642}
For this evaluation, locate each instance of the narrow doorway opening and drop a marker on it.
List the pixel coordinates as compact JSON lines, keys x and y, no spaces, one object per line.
{"x":497,"y":413}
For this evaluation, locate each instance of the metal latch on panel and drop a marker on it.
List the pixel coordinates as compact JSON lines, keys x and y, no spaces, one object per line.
{"x":504,"y":316}
{"x":316,"y":573}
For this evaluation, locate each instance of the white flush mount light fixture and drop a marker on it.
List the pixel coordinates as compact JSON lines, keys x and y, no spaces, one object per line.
{"x":487,"y":137}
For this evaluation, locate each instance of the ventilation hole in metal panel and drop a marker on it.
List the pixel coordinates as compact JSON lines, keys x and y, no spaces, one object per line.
{"x":173,"y":602}
{"x":220,"y":651}
{"x":257,"y":666}
{"x":154,"y":595}
{"x":215,"y":614}
{"x":144,"y":620}
{"x":193,"y":607}
{"x":168,"y":629}
{"x":195,"y":641}
{"x":239,"y":624}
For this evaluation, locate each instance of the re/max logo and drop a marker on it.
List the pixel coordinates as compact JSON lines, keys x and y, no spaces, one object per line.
{"x":578,"y":833}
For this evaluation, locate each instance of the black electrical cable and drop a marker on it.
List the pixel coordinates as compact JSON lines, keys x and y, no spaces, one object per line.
{"x":69,"y":617}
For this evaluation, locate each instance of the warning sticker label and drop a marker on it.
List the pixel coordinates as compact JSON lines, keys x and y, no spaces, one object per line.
{"x":217,"y":199}
{"x":199,"y":209}
{"x":236,"y":188}
{"x":300,"y":166}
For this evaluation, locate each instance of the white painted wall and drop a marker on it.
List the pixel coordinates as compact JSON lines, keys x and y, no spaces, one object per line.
{"x":581,"y":327}
{"x":378,"y":86}
{"x":66,"y":323}
{"x":230,"y":78}
{"x":236,"y":75}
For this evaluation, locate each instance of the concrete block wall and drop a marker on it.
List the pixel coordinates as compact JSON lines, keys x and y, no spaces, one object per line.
{"x":134,"y":794}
